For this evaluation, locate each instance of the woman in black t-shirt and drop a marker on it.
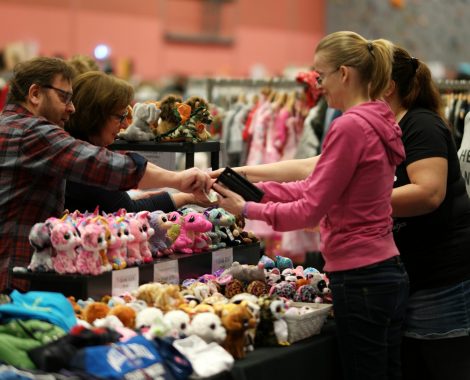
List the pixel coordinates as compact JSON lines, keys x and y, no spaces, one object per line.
{"x":431,"y":228}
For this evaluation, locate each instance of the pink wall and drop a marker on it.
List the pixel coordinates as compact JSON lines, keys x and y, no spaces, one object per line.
{"x":275,"y":34}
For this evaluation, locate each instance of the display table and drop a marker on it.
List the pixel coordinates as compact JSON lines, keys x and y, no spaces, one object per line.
{"x":188,"y":148}
{"x":186,"y":266}
{"x":315,"y":358}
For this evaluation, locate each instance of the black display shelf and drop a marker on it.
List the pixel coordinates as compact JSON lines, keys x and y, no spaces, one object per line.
{"x":84,"y":286}
{"x":213,"y":147}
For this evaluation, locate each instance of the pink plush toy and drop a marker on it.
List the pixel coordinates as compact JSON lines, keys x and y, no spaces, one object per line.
{"x":65,"y":240}
{"x":147,"y":232}
{"x":137,"y":249}
{"x":191,"y":237}
{"x":93,"y":241}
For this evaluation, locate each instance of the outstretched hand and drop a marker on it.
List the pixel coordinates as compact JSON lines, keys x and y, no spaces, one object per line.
{"x":228,"y":200}
{"x":194,"y":180}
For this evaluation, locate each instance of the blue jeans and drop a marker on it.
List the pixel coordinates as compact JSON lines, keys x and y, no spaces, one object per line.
{"x":369,"y":305}
{"x":439,"y":313}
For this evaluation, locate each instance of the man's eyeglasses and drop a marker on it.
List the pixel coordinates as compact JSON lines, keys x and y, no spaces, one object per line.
{"x":65,"y":96}
{"x":122,"y":117}
{"x":322,"y":77}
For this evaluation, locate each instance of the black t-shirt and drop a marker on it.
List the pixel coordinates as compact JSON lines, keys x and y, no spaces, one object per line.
{"x":434,"y":247}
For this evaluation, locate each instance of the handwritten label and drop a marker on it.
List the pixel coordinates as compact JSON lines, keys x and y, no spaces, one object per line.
{"x":222,"y":259}
{"x":124,"y":280}
{"x":166,"y":272}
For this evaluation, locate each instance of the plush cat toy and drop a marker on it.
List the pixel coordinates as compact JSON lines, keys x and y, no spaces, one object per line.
{"x":65,"y":240}
{"x":191,"y":237}
{"x":144,"y":115}
{"x":160,"y":242}
{"x":40,"y":240}
{"x":93,"y":241}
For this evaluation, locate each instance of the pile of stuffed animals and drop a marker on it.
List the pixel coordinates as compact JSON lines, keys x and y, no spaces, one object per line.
{"x":239,"y":318}
{"x":170,"y":120}
{"x":91,"y":244}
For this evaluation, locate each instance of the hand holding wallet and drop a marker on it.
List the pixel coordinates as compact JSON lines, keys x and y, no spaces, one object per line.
{"x":240,"y":185}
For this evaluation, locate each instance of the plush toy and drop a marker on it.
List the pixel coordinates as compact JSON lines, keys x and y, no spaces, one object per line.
{"x":218,"y":218}
{"x":208,"y":326}
{"x":236,"y":319}
{"x":179,"y":323}
{"x":245,"y":272}
{"x":143,"y":116}
{"x":191,"y":237}
{"x":117,"y":248}
{"x":160,"y":243}
{"x":252,"y":304}
{"x":65,"y":240}
{"x":76,"y":307}
{"x":175,"y":124}
{"x":271,"y":332}
{"x":238,"y":232}
{"x":93,"y":241}
{"x":171,"y":115}
{"x":165,"y":297}
{"x":134,"y":256}
{"x":95,"y":310}
{"x":147,"y":317}
{"x":126,"y":315}
{"x":147,"y":232}
{"x":284,"y":289}
{"x":200,"y":119}
{"x":257,"y":288}
{"x":40,"y":240}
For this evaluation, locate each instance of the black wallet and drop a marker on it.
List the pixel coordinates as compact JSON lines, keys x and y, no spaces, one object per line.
{"x":240,"y":185}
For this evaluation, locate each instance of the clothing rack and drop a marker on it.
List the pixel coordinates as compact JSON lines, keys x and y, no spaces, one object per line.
{"x":211,"y":84}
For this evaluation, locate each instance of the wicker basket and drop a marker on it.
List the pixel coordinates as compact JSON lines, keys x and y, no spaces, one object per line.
{"x":303,"y":326}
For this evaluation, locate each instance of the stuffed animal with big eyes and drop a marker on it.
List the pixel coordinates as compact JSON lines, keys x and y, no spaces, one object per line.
{"x":144,"y":115}
{"x":179,"y":323}
{"x":65,"y":240}
{"x":160,"y":243}
{"x":208,"y":326}
{"x":93,"y":241}
{"x":272,"y":328}
{"x":40,"y":240}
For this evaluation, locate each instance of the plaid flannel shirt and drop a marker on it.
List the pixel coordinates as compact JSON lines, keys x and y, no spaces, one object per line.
{"x":36,"y":158}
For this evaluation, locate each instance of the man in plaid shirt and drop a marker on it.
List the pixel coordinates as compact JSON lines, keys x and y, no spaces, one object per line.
{"x":37,"y":156}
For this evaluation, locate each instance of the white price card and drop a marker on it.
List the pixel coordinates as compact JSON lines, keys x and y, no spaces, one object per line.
{"x":124,"y":280}
{"x":167,"y":272}
{"x":222,"y":259}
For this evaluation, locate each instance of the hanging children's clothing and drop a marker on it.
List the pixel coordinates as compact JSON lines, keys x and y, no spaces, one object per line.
{"x":464,"y":153}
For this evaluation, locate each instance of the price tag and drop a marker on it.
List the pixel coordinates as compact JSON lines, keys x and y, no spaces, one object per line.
{"x":124,"y":280}
{"x":222,"y":259}
{"x":167,"y":272}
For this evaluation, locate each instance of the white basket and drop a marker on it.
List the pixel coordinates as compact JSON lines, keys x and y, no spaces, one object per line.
{"x":303,"y":326}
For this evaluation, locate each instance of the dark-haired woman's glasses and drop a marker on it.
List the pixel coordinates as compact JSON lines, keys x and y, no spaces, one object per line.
{"x":122,"y":117}
{"x":65,"y":96}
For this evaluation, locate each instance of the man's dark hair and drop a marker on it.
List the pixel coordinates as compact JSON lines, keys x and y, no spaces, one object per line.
{"x":41,"y":71}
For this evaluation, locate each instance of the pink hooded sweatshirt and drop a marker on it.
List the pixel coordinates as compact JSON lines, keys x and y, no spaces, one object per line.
{"x":349,"y":191}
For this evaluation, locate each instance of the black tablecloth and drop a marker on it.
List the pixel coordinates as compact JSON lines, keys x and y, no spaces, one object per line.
{"x":313,"y":358}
